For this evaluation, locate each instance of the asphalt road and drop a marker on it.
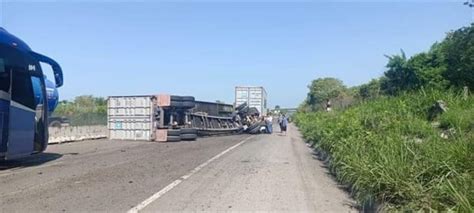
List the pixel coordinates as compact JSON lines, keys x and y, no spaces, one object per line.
{"x":231,"y":173}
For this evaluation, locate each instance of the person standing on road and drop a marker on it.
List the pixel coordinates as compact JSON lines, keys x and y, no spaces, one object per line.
{"x":284,"y":124}
{"x":269,"y":122}
{"x":280,"y":118}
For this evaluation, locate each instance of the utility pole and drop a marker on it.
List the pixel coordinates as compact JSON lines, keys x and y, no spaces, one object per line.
{"x":470,"y":4}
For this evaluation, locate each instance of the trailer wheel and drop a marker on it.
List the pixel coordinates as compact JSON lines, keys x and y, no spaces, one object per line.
{"x":253,"y":126}
{"x":253,"y":111}
{"x":255,"y":131}
{"x":189,"y":131}
{"x":189,"y":137}
{"x":173,"y":139}
{"x":188,"y":98}
{"x":182,"y":98}
{"x":183,"y":104}
{"x":175,"y":98}
{"x":174,"y":132}
{"x":188,"y":104}
{"x":56,"y":124}
{"x":241,"y":107}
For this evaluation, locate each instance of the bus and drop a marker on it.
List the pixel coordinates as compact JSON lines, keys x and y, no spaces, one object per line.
{"x":24,"y":107}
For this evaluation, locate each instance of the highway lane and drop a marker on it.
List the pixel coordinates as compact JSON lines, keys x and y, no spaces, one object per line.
{"x":267,"y":173}
{"x":100,"y":175}
{"x":237,"y":173}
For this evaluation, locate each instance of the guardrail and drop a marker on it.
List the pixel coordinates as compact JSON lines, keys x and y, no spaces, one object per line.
{"x":76,"y":133}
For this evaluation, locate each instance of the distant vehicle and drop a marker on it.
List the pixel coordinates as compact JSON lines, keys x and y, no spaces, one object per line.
{"x":24,"y":110}
{"x":58,"y":121}
{"x":52,"y":95}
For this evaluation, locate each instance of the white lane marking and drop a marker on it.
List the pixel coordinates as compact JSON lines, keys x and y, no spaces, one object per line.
{"x":175,"y":183}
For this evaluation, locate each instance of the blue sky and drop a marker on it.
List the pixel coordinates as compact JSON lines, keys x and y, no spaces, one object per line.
{"x":205,"y":49}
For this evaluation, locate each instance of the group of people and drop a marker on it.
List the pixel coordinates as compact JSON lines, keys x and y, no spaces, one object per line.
{"x":282,"y":122}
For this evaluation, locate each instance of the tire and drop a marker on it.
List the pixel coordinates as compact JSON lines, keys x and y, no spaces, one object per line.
{"x":175,"y":104}
{"x":188,"y":104}
{"x":183,"y":104}
{"x":188,"y":98}
{"x":244,"y":110}
{"x":188,"y":131}
{"x":56,"y":124}
{"x":253,"y":126}
{"x":255,"y":131}
{"x":175,"y":98}
{"x":174,"y":132}
{"x":173,"y":139}
{"x":241,"y":107}
{"x":189,"y":137}
{"x":253,"y":111}
{"x":182,"y":98}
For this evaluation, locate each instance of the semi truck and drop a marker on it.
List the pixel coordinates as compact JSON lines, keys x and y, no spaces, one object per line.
{"x":174,"y":118}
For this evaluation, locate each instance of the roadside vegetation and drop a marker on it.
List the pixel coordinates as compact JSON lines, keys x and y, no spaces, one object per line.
{"x":84,"y":110}
{"x":405,"y":140}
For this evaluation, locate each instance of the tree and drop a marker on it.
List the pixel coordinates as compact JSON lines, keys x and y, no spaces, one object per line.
{"x":84,"y":110}
{"x":323,"y":89}
{"x":458,"y":50}
{"x":304,"y":107}
{"x":469,"y":3}
{"x":369,"y":90}
{"x":398,"y":77}
{"x":447,"y":64}
{"x":429,"y":68}
{"x":277,"y":107}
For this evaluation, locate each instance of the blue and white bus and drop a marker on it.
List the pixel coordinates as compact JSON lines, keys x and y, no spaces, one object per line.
{"x":24,"y":107}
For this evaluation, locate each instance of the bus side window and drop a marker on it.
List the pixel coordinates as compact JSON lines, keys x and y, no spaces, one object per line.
{"x":4,"y":77}
{"x":22,"y":89}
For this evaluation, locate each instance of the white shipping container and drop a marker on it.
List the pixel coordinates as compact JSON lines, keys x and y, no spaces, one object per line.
{"x":130,"y":118}
{"x":253,"y":96}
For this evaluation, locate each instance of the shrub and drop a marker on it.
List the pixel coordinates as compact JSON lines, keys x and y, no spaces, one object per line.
{"x":387,"y":150}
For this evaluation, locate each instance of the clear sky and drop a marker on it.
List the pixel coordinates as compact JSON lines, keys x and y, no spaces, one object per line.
{"x":205,"y":49}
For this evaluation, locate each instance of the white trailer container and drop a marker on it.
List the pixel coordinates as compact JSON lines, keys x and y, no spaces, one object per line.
{"x":130,"y":118}
{"x":253,"y":96}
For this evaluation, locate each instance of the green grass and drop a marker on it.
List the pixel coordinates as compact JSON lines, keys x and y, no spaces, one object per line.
{"x":388,"y":151}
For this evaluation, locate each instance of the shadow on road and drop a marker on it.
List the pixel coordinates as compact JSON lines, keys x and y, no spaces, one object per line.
{"x":34,"y":160}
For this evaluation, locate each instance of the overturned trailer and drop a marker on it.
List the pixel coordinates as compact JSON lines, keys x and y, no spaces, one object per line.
{"x":213,"y":108}
{"x":168,"y":118}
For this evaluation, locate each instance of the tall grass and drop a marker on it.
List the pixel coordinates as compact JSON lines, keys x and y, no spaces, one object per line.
{"x":388,"y":151}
